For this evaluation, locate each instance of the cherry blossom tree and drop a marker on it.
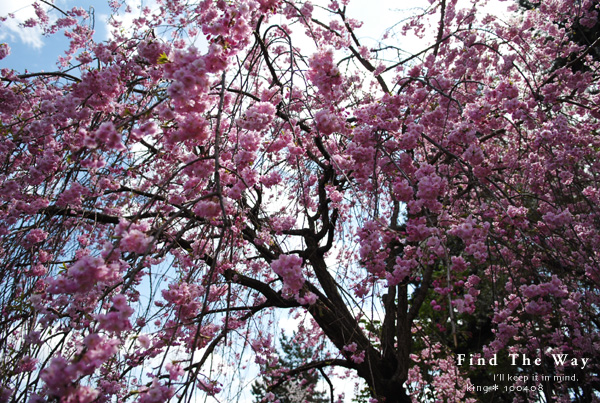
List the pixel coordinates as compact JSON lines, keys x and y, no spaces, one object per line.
{"x":169,"y":194}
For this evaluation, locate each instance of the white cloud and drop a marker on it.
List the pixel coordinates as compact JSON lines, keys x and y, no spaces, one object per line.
{"x":11,"y":29}
{"x":133,"y":9}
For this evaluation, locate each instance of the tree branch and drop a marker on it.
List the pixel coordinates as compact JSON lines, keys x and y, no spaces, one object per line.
{"x":313,"y":365}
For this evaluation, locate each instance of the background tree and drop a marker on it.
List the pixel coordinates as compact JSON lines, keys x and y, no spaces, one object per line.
{"x":299,"y":389}
{"x":160,"y":201}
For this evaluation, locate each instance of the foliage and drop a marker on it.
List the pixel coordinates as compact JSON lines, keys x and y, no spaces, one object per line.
{"x":159,"y":202}
{"x":299,"y":389}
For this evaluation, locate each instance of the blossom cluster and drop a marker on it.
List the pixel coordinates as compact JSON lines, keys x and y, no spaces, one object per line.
{"x":289,"y":267}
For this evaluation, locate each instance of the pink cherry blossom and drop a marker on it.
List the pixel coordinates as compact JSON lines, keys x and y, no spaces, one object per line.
{"x":289,"y":267}
{"x":178,"y":192}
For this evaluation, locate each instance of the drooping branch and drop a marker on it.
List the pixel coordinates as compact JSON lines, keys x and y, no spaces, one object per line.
{"x":307,"y":367}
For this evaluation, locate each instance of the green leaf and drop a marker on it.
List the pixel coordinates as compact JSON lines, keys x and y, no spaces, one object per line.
{"x":163,"y":58}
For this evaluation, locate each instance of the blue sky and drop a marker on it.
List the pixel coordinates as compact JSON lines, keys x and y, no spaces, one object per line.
{"x":29,"y":48}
